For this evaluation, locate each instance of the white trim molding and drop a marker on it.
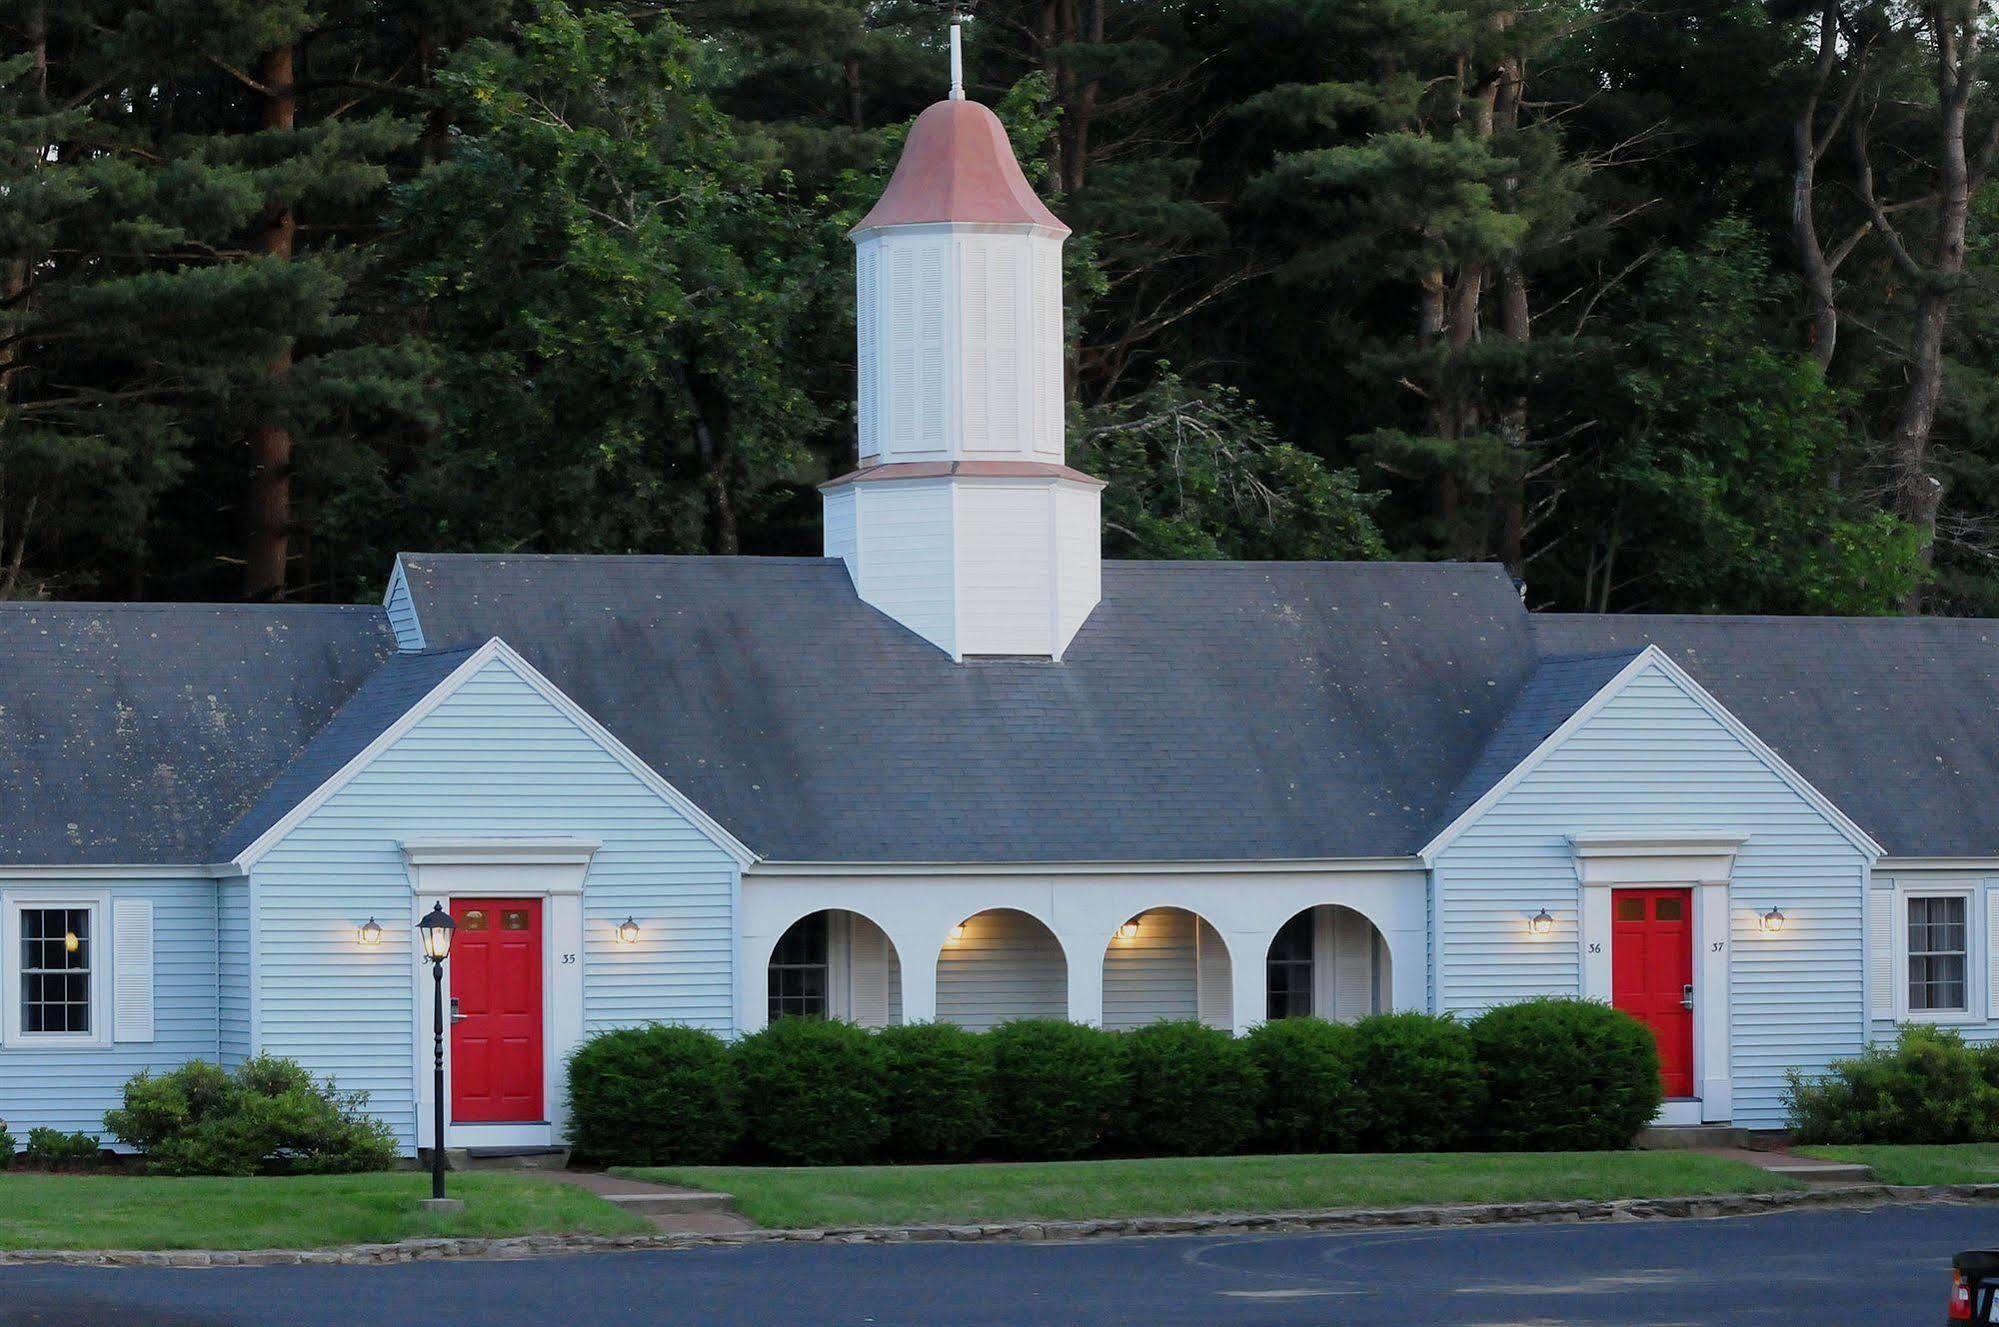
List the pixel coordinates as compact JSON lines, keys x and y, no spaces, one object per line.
{"x":494,"y":650}
{"x":1976,"y":957}
{"x":550,"y":869}
{"x":1702,"y":862}
{"x":102,"y":965}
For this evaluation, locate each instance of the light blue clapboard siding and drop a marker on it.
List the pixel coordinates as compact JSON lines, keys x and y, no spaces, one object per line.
{"x":1153,"y":975}
{"x":1007,"y":965}
{"x":1653,"y":760}
{"x":494,"y":759}
{"x":71,"y":1089}
{"x":402,"y":611}
{"x":233,"y":963}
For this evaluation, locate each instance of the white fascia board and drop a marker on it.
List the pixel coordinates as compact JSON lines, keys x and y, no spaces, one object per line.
{"x":1890,"y":865}
{"x":494,"y":650}
{"x":136,"y":871}
{"x":1274,"y":865}
{"x":1652,"y":656}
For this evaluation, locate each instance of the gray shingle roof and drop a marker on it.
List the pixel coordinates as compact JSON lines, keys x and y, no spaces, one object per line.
{"x":139,"y":732}
{"x":1206,"y":710}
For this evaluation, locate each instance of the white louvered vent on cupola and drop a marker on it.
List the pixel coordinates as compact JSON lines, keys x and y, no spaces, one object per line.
{"x":963,"y":523}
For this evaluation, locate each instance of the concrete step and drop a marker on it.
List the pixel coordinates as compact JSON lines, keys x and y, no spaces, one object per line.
{"x":671,"y":1203}
{"x":1691,"y":1135}
{"x":1819,"y":1172}
{"x":506,"y":1158}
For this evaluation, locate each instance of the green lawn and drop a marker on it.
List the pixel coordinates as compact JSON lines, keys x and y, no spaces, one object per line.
{"x":1955,"y":1163}
{"x":1071,"y":1190}
{"x":311,"y":1211}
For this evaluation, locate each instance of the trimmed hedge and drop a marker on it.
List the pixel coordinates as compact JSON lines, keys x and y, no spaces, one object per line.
{"x":1312,"y":1098}
{"x":813,"y":1092}
{"x":1548,"y":1074}
{"x":937,"y":1091}
{"x":1192,"y":1090}
{"x":1564,"y":1075}
{"x":653,"y":1096}
{"x":1058,"y":1087}
{"x":1927,"y":1086}
{"x":1420,"y":1083}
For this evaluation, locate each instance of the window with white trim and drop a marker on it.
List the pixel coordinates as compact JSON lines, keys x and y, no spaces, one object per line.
{"x":1939,"y":950}
{"x":57,"y":969}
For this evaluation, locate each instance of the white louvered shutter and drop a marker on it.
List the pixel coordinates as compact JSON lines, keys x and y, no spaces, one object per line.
{"x":1881,"y":953}
{"x":132,"y":970}
{"x":867,"y":970}
{"x":1353,"y":966}
{"x":1992,"y":948}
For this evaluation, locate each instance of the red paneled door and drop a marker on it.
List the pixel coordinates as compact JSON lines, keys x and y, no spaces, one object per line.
{"x":1652,"y":973}
{"x":496,"y":1050}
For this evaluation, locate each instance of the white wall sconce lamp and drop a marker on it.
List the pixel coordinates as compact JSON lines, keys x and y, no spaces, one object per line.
{"x":958,"y":932}
{"x":628,"y":932}
{"x":1129,"y":931}
{"x":1772,"y":921}
{"x":1541,"y":923}
{"x":370,"y":932}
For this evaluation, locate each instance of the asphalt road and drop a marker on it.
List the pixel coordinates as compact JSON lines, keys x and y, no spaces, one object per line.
{"x":1822,"y":1268}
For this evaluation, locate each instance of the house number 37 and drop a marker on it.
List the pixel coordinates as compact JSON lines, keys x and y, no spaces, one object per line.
{"x":568,"y":959}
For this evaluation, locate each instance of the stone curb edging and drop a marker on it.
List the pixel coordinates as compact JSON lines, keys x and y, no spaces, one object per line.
{"x":542,"y":1246}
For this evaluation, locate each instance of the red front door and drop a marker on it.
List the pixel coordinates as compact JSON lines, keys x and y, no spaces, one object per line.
{"x":496,"y":994}
{"x":1652,"y":973}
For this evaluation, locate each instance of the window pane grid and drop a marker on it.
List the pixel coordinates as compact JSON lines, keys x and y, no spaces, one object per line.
{"x":799,"y":966}
{"x":1938,"y":954}
{"x":56,"y":945}
{"x":1288,"y":970}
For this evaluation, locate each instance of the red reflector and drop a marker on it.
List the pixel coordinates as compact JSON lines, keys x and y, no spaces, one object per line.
{"x":1960,"y":1297}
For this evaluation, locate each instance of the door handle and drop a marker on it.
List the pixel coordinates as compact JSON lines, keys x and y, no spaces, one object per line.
{"x":457,"y":1017}
{"x":1686,"y":996}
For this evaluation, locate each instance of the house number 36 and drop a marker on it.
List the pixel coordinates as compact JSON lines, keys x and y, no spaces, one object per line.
{"x":567,"y":959}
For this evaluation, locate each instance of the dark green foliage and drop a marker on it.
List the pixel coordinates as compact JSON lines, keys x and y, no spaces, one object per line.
{"x":1194,"y":1090}
{"x":812,"y":1092}
{"x":1312,"y":1100}
{"x":1564,"y":1075}
{"x":937,"y":1091}
{"x":1419,"y":1080}
{"x":1926,"y":1086}
{"x":52,"y":1149}
{"x":653,"y":1096}
{"x":1058,"y":1088}
{"x":269,"y":1116}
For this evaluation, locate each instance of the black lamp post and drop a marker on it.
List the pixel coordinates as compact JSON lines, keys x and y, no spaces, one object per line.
{"x":436,"y":929}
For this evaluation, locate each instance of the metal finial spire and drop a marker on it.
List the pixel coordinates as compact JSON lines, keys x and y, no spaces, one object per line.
{"x":957,"y":58}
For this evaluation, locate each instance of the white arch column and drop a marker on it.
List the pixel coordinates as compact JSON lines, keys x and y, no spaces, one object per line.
{"x":1249,"y":950}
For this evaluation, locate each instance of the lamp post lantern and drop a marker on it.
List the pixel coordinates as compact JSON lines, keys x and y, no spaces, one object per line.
{"x":435,"y":929}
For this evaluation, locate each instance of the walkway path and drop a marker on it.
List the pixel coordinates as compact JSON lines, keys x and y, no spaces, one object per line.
{"x":672,"y":1209}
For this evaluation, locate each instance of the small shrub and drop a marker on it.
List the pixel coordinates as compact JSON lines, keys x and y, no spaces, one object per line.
{"x":652,"y":1096}
{"x":6,"y":1146}
{"x":1926,"y":1086}
{"x":1311,"y":1100}
{"x":1057,"y":1087}
{"x":937,"y":1091}
{"x":1565,"y":1075}
{"x":52,"y":1149}
{"x":812,"y":1092}
{"x":270,"y":1115}
{"x":1419,"y":1083}
{"x":1194,"y":1090}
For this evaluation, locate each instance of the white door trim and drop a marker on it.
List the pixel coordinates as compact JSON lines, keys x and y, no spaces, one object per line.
{"x":549,"y":870}
{"x":1703,"y":863}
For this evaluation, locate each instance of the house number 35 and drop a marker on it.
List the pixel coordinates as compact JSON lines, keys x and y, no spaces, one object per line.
{"x":567,"y":959}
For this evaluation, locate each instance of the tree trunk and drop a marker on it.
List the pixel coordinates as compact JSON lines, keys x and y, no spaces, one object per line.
{"x":268,"y":549}
{"x":850,"y":72}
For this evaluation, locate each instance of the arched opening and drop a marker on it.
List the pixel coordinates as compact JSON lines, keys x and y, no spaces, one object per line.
{"x":1000,"y":965}
{"x":1166,"y":963}
{"x":1330,"y":962}
{"x":835,"y":964}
